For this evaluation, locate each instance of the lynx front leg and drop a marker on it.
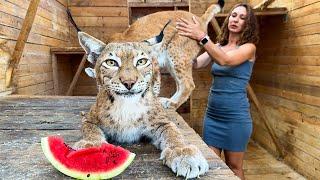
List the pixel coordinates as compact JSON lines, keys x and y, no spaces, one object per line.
{"x":92,"y":134}
{"x":184,"y":160}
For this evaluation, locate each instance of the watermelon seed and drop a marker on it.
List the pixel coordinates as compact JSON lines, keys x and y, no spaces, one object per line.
{"x":88,"y":175}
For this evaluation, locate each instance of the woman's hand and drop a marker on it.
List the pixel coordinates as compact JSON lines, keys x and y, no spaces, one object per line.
{"x":190,"y":29}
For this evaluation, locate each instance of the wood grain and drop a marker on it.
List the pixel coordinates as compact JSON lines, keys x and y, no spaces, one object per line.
{"x":26,"y":119}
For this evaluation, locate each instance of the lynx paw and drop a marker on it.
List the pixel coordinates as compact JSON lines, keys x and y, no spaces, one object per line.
{"x":187,"y":161}
{"x":86,"y":144}
{"x":167,"y":103}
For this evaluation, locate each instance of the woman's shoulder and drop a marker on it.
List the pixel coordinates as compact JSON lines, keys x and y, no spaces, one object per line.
{"x":249,"y":46}
{"x":251,"y":50}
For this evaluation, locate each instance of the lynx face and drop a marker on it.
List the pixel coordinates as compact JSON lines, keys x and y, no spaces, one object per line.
{"x":125,"y":70}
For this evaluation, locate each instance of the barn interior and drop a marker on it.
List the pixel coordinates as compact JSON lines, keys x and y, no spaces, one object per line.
{"x":40,"y":59}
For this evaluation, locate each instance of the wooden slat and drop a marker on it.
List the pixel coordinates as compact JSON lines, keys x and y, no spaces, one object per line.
{"x":45,"y":13}
{"x":64,"y":50}
{"x":97,"y":3}
{"x":99,"y":11}
{"x":23,"y":36}
{"x":158,"y":4}
{"x":307,"y":9}
{"x":265,"y":12}
{"x":99,"y":21}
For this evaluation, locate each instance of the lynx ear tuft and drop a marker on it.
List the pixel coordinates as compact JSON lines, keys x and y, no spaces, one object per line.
{"x":91,"y":45}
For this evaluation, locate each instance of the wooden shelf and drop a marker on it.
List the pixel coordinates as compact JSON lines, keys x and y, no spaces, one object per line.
{"x":67,"y":50}
{"x":159,"y":4}
{"x":265,"y":12}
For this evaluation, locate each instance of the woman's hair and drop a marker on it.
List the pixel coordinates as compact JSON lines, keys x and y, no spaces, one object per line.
{"x":250,"y":33}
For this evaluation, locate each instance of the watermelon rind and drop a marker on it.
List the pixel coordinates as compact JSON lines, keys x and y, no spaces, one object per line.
{"x":82,"y":175}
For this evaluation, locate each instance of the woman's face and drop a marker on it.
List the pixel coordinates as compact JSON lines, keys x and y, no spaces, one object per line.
{"x":237,"y":19}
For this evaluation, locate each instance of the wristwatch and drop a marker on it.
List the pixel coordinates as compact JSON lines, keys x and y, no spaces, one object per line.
{"x":204,"y":40}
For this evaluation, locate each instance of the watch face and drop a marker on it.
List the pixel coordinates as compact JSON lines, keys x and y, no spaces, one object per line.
{"x":204,"y":41}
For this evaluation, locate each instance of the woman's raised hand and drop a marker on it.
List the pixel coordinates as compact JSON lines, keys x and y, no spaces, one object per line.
{"x":191,"y":29}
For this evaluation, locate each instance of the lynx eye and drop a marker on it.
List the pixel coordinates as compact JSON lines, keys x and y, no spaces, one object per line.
{"x":111,"y":63}
{"x":142,"y":62}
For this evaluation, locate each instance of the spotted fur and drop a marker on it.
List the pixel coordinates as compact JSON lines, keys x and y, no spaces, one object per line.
{"x":176,"y":52}
{"x":127,"y":106}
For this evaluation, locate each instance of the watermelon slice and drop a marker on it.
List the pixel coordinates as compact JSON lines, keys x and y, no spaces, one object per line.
{"x":102,"y":162}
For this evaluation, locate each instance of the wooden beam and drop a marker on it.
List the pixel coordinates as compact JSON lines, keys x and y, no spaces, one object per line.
{"x":76,"y":76}
{"x":215,"y":26}
{"x":264,"y":12}
{"x":265,"y":120}
{"x":22,"y":39}
{"x":55,"y":73}
{"x":263,"y":4}
{"x":255,"y":100}
{"x":158,"y":4}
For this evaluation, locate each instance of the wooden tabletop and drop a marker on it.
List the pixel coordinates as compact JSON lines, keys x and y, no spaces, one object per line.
{"x":24,"y":120}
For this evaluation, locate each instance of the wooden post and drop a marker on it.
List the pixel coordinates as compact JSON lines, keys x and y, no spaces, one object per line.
{"x":263,"y":4}
{"x":215,"y":26}
{"x":55,"y":73}
{"x":254,"y":98}
{"x":22,"y":39}
{"x":76,"y":76}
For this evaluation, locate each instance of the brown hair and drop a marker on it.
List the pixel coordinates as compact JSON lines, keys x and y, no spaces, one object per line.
{"x":250,"y":33}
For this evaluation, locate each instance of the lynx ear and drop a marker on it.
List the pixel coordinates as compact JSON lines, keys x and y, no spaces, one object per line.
{"x":91,"y":45}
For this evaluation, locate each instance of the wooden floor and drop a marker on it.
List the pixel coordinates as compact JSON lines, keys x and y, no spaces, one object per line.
{"x":260,"y":165}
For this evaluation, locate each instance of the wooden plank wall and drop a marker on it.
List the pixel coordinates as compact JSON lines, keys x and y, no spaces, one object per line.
{"x":100,"y":18}
{"x":50,"y":28}
{"x":286,"y":79}
{"x":198,"y":7}
{"x":202,"y":77}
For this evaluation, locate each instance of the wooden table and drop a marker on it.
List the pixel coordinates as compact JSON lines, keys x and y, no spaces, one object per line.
{"x":24,"y":120}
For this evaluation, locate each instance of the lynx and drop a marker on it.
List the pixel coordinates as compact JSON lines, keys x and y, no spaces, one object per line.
{"x":127,"y":106}
{"x":176,"y":52}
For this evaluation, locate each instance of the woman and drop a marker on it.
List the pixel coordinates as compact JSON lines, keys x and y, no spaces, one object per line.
{"x":227,"y":122}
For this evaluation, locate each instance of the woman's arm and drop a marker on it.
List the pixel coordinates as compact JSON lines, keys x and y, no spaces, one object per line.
{"x":230,"y":58}
{"x":202,"y":61}
{"x":234,"y":57}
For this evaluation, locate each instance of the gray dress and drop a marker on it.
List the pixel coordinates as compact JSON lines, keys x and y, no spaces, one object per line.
{"x":227,"y":122}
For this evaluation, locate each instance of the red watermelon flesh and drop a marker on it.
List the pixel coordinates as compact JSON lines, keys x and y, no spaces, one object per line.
{"x":101,"y":162}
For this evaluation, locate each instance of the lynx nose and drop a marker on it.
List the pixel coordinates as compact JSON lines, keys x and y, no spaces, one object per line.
{"x":128,"y":84}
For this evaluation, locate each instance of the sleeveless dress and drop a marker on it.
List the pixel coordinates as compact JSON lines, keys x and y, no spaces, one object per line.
{"x":227,"y":121}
